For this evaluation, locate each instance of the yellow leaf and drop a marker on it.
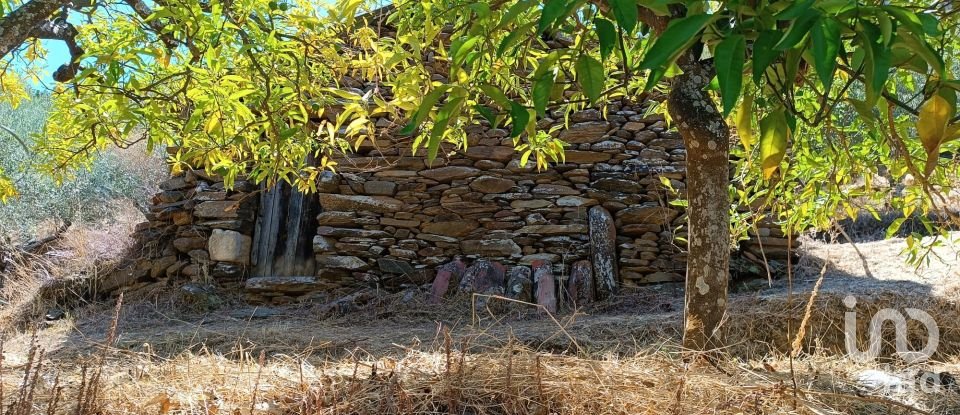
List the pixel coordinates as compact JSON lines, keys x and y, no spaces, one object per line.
{"x":744,"y":122}
{"x":213,"y":123}
{"x":932,"y":123}
{"x":774,"y":134}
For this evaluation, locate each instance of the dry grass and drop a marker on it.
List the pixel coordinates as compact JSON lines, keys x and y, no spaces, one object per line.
{"x":63,"y":274}
{"x":479,"y":369}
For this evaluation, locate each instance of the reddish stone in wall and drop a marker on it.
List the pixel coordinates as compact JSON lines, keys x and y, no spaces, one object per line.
{"x":482,"y":276}
{"x":447,"y":274}
{"x":543,"y":285}
{"x":580,"y":287}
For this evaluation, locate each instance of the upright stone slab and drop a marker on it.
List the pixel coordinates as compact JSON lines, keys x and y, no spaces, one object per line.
{"x":446,"y":274}
{"x":544,"y":287}
{"x":603,"y":251}
{"x":482,"y":276}
{"x":580,"y":287}
{"x":519,"y":284}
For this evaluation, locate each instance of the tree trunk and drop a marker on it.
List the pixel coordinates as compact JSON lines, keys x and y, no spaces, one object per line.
{"x":707,"y":140}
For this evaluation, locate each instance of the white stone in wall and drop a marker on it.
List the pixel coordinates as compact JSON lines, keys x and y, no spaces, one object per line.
{"x":229,"y":246}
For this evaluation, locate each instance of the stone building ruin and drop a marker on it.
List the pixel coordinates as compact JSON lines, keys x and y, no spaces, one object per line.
{"x":475,"y":220}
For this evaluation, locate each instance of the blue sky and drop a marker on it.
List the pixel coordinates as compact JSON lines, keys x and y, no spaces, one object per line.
{"x":57,"y":54}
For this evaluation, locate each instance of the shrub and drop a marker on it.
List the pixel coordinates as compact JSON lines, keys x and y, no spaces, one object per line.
{"x":89,"y":197}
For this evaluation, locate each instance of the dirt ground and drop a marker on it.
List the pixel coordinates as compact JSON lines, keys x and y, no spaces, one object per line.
{"x":633,"y":321}
{"x":623,"y":350}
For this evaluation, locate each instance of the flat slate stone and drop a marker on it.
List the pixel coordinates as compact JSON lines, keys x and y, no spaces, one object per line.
{"x":287,"y":285}
{"x":450,"y":228}
{"x":647,"y":213}
{"x":227,"y":209}
{"x":353,"y":203}
{"x":497,"y":153}
{"x":554,"y":189}
{"x":490,"y":247}
{"x":491,"y":184}
{"x":449,"y":173}
{"x":553,"y":229}
{"x":585,"y":132}
{"x":350,"y":263}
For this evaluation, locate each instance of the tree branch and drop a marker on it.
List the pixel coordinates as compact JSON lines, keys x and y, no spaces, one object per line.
{"x":16,"y":27}
{"x":144,"y":12}
{"x":16,"y":137}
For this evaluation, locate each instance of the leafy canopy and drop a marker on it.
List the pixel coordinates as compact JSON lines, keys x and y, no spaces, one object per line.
{"x":821,"y":92}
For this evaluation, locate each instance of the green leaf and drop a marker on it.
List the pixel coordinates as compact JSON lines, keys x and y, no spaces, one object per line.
{"x":931,"y":26}
{"x":496,"y":95}
{"x":729,"y":59}
{"x":798,"y":29}
{"x":463,"y":49}
{"x":826,"y":46}
{"x":481,"y":9}
{"x":440,"y":126}
{"x":674,"y":40}
{"x":520,"y":117}
{"x":625,"y":11}
{"x":878,"y":57}
{"x":895,"y":227}
{"x":590,"y":76}
{"x":658,"y":7}
{"x":764,"y":53}
{"x":510,"y":39}
{"x":487,"y":114}
{"x":919,"y":47}
{"x":511,"y":15}
{"x":774,"y":134}
{"x":795,"y":10}
{"x":607,"y":33}
{"x":423,"y":110}
{"x":654,"y":77}
{"x":553,"y":10}
{"x":543,"y":80}
{"x":907,"y":18}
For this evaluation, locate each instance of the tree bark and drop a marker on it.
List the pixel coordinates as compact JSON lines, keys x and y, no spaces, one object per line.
{"x":707,"y":140}
{"x":16,"y":27}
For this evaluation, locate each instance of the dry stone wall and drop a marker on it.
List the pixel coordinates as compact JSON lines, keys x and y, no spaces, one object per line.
{"x":388,"y":212}
{"x":196,"y":230}
{"x":474,"y":220}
